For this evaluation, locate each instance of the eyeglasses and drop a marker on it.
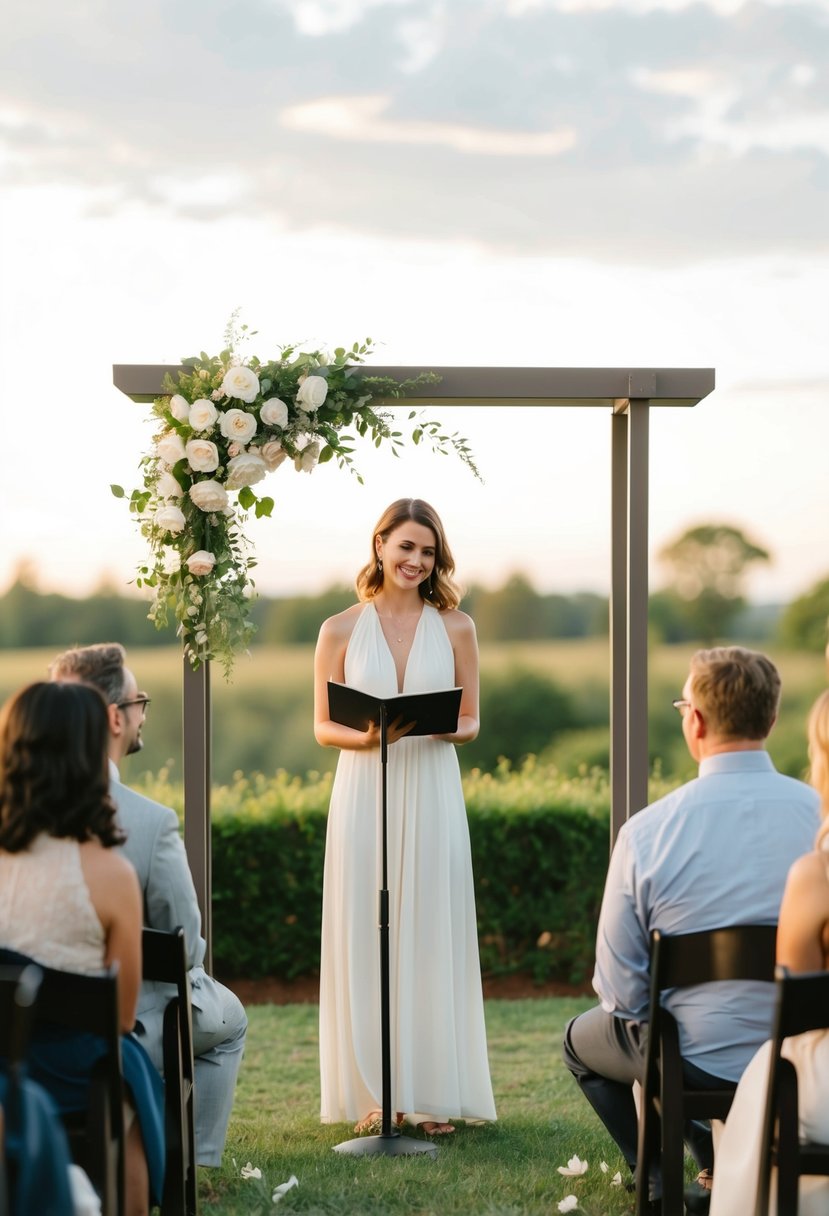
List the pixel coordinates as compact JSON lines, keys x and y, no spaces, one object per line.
{"x":141,"y":699}
{"x":680,"y":705}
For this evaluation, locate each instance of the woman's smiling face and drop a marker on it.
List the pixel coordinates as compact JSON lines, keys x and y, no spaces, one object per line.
{"x":408,"y":554}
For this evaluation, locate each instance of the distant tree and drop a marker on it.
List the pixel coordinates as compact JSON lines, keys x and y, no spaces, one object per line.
{"x":805,"y":623}
{"x":708,"y":565}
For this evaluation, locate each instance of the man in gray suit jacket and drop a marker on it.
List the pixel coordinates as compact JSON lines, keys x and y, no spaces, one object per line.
{"x":156,"y":850}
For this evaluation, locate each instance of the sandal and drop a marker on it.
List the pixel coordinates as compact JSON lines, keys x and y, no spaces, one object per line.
{"x":372,"y":1124}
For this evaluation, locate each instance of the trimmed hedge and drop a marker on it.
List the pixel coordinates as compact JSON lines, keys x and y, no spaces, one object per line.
{"x":539,"y":851}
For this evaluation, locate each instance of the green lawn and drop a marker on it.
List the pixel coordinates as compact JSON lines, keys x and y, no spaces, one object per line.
{"x":508,"y":1168}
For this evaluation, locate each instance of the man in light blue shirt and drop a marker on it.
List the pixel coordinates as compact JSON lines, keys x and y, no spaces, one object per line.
{"x":714,"y":852}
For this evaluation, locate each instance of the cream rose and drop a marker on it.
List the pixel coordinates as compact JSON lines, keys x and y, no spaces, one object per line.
{"x":241,"y":383}
{"x":167,"y":486}
{"x":236,"y":424}
{"x":203,"y":414}
{"x":312,"y":392}
{"x":202,"y":455}
{"x":273,"y":454}
{"x":208,"y":495}
{"x":274,"y":412}
{"x":179,"y":408}
{"x":245,"y":470}
{"x":170,"y":448}
{"x":201,"y":562}
{"x":170,"y":518}
{"x":307,"y":460}
{"x":170,"y":560}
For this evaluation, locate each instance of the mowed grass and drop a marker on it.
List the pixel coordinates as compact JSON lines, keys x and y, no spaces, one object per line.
{"x":508,"y":1168}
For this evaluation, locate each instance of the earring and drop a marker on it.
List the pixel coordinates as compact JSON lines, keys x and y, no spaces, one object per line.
{"x":380,"y":564}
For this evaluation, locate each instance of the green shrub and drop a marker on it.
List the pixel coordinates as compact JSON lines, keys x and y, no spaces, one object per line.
{"x":539,"y":852}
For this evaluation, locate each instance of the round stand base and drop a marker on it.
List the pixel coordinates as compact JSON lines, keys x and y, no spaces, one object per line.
{"x":394,"y":1145}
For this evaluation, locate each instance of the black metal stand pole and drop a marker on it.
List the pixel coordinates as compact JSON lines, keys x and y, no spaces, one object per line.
{"x":389,"y":1143}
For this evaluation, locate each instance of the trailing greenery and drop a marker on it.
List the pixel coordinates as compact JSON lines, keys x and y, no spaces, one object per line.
{"x":539,"y":848}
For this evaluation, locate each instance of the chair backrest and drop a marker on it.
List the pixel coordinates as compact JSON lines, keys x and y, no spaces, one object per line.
{"x":18,"y":991}
{"x":802,"y":1005}
{"x":165,"y":961}
{"x":734,"y":952}
{"x":88,"y":1004}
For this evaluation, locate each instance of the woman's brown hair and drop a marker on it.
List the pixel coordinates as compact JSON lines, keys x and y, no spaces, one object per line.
{"x":818,"y":732}
{"x":53,"y":766}
{"x":439,"y":589}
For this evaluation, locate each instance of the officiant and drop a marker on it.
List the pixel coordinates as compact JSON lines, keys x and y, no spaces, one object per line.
{"x":405,"y":635}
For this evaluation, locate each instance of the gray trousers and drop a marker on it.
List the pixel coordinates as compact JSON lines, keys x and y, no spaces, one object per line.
{"x":606,"y":1055}
{"x":218,"y":1046}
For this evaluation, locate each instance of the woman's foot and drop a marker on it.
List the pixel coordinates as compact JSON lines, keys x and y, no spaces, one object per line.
{"x":432,"y":1127}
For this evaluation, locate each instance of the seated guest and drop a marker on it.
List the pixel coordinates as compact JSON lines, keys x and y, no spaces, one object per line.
{"x":714,"y":852}
{"x":70,"y":901}
{"x":155,"y":848}
{"x":802,"y":945}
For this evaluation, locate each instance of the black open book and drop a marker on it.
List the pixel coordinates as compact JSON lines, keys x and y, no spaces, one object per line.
{"x":434,"y":713}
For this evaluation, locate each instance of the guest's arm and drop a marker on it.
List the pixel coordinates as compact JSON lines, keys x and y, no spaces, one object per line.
{"x":802,"y":926}
{"x":622,"y":943}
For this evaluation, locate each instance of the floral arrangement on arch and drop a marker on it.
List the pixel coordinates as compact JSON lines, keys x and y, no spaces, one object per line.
{"x":222,"y":428}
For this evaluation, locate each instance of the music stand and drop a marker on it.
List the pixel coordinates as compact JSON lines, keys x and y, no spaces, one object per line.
{"x":432,"y":713}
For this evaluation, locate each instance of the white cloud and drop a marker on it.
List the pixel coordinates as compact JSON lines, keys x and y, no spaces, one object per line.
{"x":363,"y":119}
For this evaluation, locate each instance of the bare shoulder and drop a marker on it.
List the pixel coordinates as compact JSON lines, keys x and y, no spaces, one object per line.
{"x":807,"y":871}
{"x":459,"y":625}
{"x":340,"y":627}
{"x":105,"y":865}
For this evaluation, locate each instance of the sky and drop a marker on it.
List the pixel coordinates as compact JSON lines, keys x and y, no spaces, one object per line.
{"x":638,"y":183}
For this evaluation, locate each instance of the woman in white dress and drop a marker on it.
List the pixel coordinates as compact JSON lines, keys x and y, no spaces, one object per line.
{"x":802,"y":945}
{"x":405,"y":635}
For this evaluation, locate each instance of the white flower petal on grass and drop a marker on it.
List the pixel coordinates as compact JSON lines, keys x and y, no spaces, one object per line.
{"x":568,"y":1204}
{"x":251,"y":1171}
{"x":574,"y":1168}
{"x":616,"y":1180}
{"x":604,"y":1167}
{"x":283,"y":1188}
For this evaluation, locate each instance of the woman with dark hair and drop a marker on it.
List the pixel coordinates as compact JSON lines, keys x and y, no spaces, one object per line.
{"x":70,"y":901}
{"x":405,"y":634}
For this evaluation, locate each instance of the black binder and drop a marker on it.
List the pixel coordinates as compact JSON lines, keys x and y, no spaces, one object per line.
{"x":433,"y":713}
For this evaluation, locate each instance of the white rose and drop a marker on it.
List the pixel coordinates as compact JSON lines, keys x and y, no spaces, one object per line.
{"x":307,"y":460}
{"x":170,"y":448}
{"x":273,"y":454}
{"x":236,"y":424}
{"x":202,"y":455}
{"x":245,"y":470}
{"x":241,"y":383}
{"x":203,"y":414}
{"x":170,"y":560}
{"x":274,"y":412}
{"x":170,"y":518}
{"x":167,"y":486}
{"x":208,"y":495}
{"x":179,"y":408}
{"x":201,"y":562}
{"x":312,"y":392}
{"x":233,"y":449}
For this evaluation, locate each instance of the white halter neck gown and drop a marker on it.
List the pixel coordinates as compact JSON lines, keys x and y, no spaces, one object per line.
{"x":438,"y":1038}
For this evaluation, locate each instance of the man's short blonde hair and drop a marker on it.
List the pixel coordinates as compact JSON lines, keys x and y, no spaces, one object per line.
{"x":737,"y":691}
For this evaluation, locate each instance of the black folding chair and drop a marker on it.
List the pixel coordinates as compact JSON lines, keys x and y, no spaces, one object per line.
{"x":738,"y":952}
{"x":165,"y":961}
{"x":802,"y":1005}
{"x":18,"y":991}
{"x":88,"y":1004}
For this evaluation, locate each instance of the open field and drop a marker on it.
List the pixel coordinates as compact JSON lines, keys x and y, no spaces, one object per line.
{"x":263,"y":719}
